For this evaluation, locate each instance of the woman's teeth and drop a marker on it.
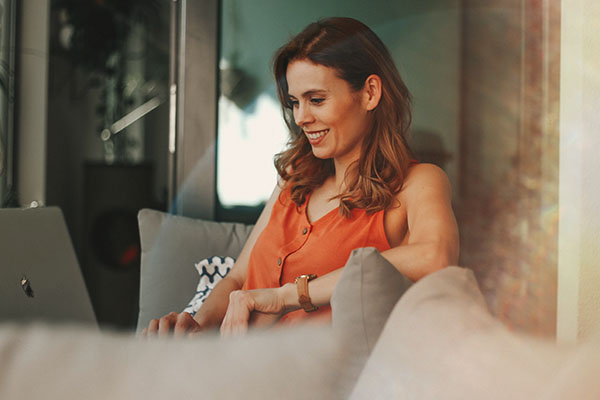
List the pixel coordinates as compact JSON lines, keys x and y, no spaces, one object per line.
{"x":316,"y":135}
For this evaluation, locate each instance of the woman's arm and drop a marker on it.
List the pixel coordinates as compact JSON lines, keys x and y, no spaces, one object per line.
{"x":266,"y":306}
{"x":214,"y":308}
{"x":433,"y":241}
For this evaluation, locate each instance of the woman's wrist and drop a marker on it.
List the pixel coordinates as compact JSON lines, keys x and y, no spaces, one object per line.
{"x":289,"y":297}
{"x":203,"y":324}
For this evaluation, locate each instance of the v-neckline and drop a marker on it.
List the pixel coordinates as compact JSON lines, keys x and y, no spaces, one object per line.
{"x":321,"y":217}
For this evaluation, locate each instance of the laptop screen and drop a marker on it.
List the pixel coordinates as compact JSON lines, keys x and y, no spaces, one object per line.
{"x":40,"y":278}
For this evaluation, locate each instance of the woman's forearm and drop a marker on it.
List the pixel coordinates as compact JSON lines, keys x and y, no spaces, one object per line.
{"x":212,"y":312}
{"x":419,"y":259}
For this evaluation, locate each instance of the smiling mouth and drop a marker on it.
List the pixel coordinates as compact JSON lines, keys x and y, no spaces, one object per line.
{"x":316,"y":134}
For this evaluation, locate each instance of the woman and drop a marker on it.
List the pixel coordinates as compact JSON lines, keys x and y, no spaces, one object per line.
{"x":347,"y":180}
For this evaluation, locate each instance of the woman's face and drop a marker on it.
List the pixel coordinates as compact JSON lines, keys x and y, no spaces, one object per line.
{"x":333,"y":117}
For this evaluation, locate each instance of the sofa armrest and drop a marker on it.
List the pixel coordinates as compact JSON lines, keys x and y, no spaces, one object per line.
{"x":74,"y":363}
{"x":441,"y":342}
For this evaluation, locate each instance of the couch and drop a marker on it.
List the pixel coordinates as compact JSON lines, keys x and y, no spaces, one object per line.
{"x":390,"y":338}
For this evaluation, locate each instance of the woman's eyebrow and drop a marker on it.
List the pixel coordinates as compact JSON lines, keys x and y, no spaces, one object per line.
{"x":310,"y":92}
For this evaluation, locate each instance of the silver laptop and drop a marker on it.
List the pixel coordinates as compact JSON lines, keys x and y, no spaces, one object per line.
{"x":40,"y":278}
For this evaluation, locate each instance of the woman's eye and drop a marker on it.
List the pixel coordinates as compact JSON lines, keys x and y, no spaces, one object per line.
{"x":317,"y":100}
{"x":293,"y":103}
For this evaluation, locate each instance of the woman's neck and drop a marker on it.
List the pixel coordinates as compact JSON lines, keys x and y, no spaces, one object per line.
{"x":341,"y":167}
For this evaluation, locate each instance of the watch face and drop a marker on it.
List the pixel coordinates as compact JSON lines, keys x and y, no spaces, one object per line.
{"x":307,"y":276}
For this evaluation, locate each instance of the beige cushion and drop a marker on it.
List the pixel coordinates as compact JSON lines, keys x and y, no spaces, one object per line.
{"x":44,"y":363}
{"x":440,"y":342}
{"x":364,"y":296}
{"x":171,"y":245}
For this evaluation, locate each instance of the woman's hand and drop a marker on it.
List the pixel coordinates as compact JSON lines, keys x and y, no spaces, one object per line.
{"x":178,"y":324}
{"x":258,"y":307}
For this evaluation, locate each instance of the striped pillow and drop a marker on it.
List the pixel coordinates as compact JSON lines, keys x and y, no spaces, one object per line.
{"x":211,"y":271}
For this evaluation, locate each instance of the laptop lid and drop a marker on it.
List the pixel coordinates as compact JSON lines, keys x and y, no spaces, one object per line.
{"x":40,"y":278}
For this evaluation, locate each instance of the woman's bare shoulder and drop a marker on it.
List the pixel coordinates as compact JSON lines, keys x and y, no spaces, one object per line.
{"x":421,"y":177}
{"x":425,"y":170}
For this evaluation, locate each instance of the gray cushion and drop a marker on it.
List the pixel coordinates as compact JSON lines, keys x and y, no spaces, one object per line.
{"x":362,"y":300}
{"x":440,"y":342}
{"x":170,"y":246}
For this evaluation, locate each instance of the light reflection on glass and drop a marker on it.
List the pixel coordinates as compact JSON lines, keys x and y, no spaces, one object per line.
{"x":246,"y":145}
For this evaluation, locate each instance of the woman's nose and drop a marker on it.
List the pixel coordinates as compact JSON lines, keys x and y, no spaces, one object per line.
{"x":302,"y":115}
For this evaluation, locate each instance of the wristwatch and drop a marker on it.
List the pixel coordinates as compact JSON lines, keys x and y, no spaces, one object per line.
{"x":303,"y":297}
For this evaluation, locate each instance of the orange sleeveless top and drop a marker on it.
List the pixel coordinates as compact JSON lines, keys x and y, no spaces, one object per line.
{"x":291,"y":245}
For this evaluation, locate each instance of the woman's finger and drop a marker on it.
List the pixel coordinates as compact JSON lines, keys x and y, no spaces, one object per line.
{"x":238,"y":312}
{"x":152,"y":328}
{"x":165,"y":323}
{"x":185,"y":322}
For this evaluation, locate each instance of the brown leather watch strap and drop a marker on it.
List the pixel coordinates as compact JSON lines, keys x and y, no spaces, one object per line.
{"x":303,"y":296}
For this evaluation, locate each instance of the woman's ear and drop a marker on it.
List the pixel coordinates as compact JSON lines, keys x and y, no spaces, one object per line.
{"x":372,"y":92}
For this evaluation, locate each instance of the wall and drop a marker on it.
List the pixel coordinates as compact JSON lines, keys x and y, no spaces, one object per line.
{"x":579,"y":235}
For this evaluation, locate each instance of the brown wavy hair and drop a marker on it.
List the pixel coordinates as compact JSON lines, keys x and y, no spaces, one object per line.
{"x":355,"y":52}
